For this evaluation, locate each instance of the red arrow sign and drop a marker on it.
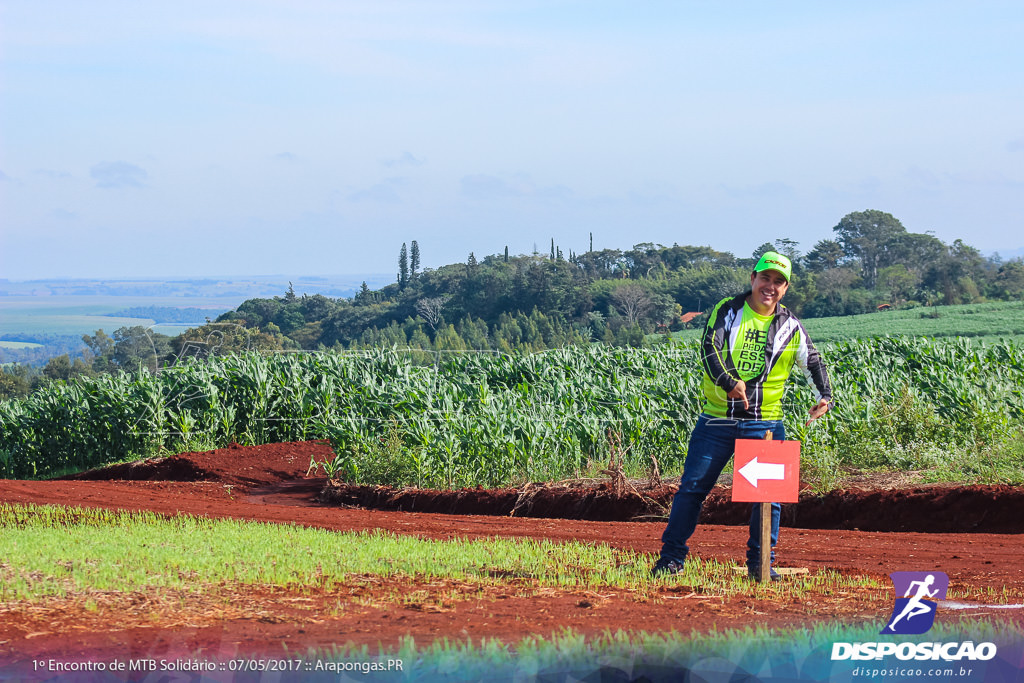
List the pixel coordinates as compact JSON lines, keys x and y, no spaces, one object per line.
{"x":766,"y":471}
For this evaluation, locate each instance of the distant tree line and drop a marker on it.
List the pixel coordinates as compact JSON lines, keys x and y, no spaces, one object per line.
{"x":169,"y":314}
{"x":50,"y":345}
{"x":540,"y":301}
{"x":537,"y":301}
{"x":129,"y":349}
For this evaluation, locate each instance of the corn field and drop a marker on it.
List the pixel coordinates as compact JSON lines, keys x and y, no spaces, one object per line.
{"x":466,"y":419}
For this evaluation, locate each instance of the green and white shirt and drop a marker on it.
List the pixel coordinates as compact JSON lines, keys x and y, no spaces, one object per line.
{"x":739,"y":344}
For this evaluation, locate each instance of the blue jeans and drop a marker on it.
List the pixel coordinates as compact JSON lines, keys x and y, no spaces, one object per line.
{"x":712,"y":444}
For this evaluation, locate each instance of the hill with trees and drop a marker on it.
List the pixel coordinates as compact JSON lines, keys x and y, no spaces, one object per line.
{"x":527,"y":303}
{"x":538,"y":301}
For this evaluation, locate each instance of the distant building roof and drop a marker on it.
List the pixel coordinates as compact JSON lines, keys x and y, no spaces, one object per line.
{"x":687,"y":317}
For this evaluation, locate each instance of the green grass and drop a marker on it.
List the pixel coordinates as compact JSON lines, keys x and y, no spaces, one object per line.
{"x":1001,"y":319}
{"x":48,"y":551}
{"x":56,"y":551}
{"x":997,"y":319}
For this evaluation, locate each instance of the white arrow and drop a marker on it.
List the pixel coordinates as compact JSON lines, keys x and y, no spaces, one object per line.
{"x":754,"y":471}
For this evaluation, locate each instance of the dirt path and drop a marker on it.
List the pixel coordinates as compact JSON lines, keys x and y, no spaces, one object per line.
{"x":994,"y":560}
{"x":268,"y":483}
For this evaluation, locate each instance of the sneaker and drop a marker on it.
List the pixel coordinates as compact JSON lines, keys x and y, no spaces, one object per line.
{"x":755,"y":574}
{"x":665,"y":567}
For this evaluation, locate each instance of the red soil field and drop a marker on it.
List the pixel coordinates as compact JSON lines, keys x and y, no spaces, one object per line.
{"x":971,"y":533}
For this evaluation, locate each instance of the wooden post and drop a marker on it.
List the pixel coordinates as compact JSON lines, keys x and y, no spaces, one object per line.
{"x":765,"y":567}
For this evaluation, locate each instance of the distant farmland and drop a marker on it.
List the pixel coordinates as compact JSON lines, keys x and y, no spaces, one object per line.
{"x":18,"y":345}
{"x":78,"y":315}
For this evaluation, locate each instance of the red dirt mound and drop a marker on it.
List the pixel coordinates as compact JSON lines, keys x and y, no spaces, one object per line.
{"x":966,"y":509}
{"x":234,"y":465}
{"x":969,"y":509}
{"x":278,"y":471}
{"x":563,"y":501}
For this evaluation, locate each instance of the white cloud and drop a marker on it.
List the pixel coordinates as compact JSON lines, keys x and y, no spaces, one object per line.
{"x":115,"y":174}
{"x":406,"y":159}
{"x":384,"y":192}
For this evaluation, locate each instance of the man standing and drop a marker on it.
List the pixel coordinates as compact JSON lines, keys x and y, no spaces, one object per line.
{"x":749,"y":348}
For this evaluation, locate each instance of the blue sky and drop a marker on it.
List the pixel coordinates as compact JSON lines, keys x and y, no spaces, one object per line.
{"x":314,"y":137}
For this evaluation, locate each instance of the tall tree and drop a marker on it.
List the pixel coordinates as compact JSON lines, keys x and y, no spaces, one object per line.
{"x":633,"y":300}
{"x":14,"y":381}
{"x":136,"y":346}
{"x":403,"y":267}
{"x":959,"y":275}
{"x":414,"y":258}
{"x":788,"y":247}
{"x":898,"y":282}
{"x":58,"y":368}
{"x":364,"y":296}
{"x":429,"y":308}
{"x":1009,"y":281}
{"x":868,"y":235}
{"x":102,"y":348}
{"x":760,"y":251}
{"x":825,"y":254}
{"x":916,"y":251}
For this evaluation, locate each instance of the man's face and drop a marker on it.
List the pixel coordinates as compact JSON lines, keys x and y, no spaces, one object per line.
{"x":767,"y":288}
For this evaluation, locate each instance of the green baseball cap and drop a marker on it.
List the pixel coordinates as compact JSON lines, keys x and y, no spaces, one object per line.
{"x":773,"y":260}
